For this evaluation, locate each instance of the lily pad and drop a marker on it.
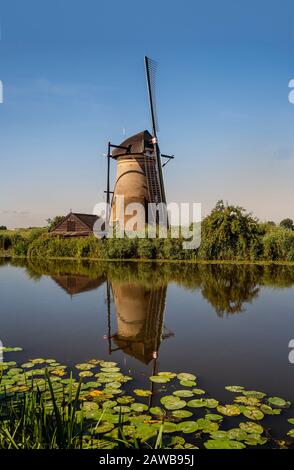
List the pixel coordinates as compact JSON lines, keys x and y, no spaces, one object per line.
{"x":188,"y":427}
{"x":229,"y":410}
{"x":237,"y":434}
{"x":160,"y":379}
{"x":188,"y":383}
{"x":108,"y":364}
{"x":122,"y":409}
{"x":198,"y":391}
{"x":207,"y":426}
{"x":157,"y":411}
{"x":279,"y":402}
{"x":251,"y":427}
{"x":142,"y":393}
{"x":183,"y":393}
{"x":181,"y":413}
{"x":170,"y":402}
{"x":186,"y":376}
{"x":213,"y":417}
{"x":254,"y":393}
{"x":234,"y":388}
{"x":104,"y":427}
{"x":85,"y":373}
{"x":84,"y":366}
{"x":170,"y":375}
{"x":139,"y":407}
{"x":253,"y":413}
{"x":268,"y":410}
{"x":291,"y":433}
{"x":223,"y":444}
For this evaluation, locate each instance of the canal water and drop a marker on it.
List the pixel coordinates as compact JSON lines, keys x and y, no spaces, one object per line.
{"x":228,"y":324}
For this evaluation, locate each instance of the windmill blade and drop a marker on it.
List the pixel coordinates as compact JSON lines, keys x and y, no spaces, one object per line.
{"x":151,"y":69}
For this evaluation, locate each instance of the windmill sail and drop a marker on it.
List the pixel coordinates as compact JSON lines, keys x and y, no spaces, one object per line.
{"x":150,"y":68}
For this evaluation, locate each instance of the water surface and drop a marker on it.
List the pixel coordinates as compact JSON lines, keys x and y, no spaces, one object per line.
{"x":228,"y":324}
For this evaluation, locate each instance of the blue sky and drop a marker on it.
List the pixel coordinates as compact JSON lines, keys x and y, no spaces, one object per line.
{"x":73,"y":78}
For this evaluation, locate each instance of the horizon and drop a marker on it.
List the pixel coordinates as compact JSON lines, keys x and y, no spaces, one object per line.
{"x":73,"y":78}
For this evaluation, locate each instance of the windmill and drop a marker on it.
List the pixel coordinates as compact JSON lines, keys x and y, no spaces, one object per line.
{"x":139,"y":175}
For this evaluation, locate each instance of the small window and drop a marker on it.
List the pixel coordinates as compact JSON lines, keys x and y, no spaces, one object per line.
{"x":71,"y":226}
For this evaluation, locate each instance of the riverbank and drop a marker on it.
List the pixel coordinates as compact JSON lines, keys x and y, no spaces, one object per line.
{"x":10,"y":255}
{"x":227,"y":235}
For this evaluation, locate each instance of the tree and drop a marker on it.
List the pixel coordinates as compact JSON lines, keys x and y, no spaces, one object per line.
{"x":51,"y":223}
{"x":229,"y":233}
{"x":3,"y":227}
{"x":287,"y":223}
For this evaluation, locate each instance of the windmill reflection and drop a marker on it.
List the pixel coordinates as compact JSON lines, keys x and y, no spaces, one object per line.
{"x":139,"y":318}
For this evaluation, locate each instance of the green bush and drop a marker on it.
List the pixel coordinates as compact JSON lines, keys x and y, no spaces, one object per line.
{"x":278,"y":244}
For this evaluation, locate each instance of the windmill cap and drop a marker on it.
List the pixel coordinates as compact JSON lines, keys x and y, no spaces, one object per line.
{"x":137,"y":144}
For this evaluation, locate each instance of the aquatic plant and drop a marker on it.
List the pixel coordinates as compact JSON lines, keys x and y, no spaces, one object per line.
{"x":44,"y":405}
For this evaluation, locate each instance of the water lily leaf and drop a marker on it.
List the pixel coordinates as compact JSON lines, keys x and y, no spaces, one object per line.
{"x":213,"y":417}
{"x":291,"y":433}
{"x":157,"y":411}
{"x":141,"y":392}
{"x":177,"y":440}
{"x":201,"y":402}
{"x":198,"y":391}
{"x":223,"y":444}
{"x":186,"y":376}
{"x":234,"y":388}
{"x":112,"y":391}
{"x":170,"y":402}
{"x":217,"y":435}
{"x":108,"y":370}
{"x":183,"y":393}
{"x":279,"y":402}
{"x":27,"y":365}
{"x":187,"y":427}
{"x":146,"y":431}
{"x":108,"y":404}
{"x":10,"y":349}
{"x":108,"y":364}
{"x":135,"y":420}
{"x":250,"y":401}
{"x":188,"y":383}
{"x":182,"y":414}
{"x":253,"y":393}
{"x":39,"y":360}
{"x":90,"y":406}
{"x":58,"y":372}
{"x":84,"y":366}
{"x":170,"y":375}
{"x":95,"y":362}
{"x":139,"y":407}
{"x":104,"y":427}
{"x":251,"y":427}
{"x":207,"y":426}
{"x":160,"y":379}
{"x":122,"y":409}
{"x":291,"y":420}
{"x":84,"y":373}
{"x":237,"y":434}
{"x":268,"y":410}
{"x":253,"y":413}
{"x":255,"y":439}
{"x":125,"y":400}
{"x":169,"y":427}
{"x":229,"y":410}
